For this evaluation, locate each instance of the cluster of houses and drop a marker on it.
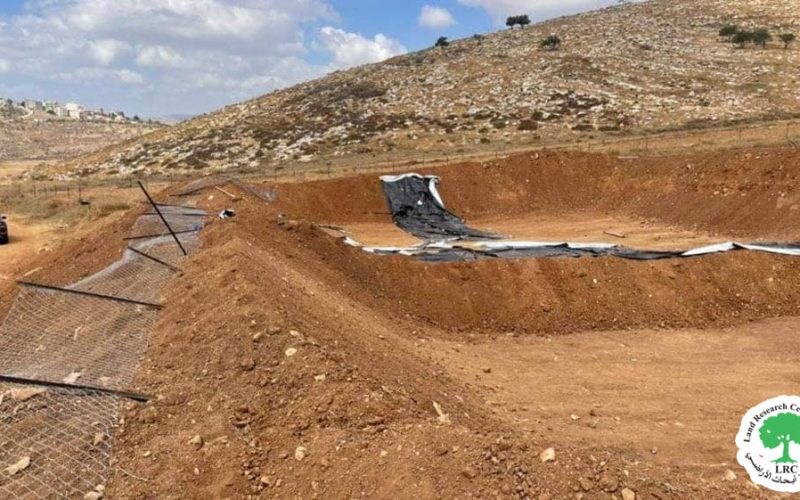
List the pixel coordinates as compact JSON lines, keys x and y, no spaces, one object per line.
{"x":68,"y":111}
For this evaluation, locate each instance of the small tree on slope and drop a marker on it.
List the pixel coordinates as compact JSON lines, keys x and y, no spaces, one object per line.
{"x":522,"y":20}
{"x":728,"y":31}
{"x":741,"y":38}
{"x":761,"y":36}
{"x":552,"y":42}
{"x":787,"y":38}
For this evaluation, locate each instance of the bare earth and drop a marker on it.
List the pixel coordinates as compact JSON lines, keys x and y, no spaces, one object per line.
{"x":26,"y":240}
{"x":675,"y":397}
{"x":394,"y":378}
{"x":571,"y":227}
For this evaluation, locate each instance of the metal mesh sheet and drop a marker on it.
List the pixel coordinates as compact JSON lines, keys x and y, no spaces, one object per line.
{"x":68,"y":338}
{"x":133,"y":277}
{"x":164,"y":247}
{"x":149,"y":224}
{"x":56,"y":442}
{"x":204,"y":183}
{"x":64,"y":435}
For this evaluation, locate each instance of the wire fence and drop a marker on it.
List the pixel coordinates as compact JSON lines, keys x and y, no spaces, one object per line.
{"x":134,"y":277}
{"x":55,"y":336}
{"x":636,"y":142}
{"x":180,"y":219}
{"x":54,"y":442}
{"x":63,"y":353}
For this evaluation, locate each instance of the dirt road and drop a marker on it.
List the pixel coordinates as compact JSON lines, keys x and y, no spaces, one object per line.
{"x":27,"y":239}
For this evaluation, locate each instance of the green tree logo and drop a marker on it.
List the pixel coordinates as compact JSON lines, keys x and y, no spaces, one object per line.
{"x":781,"y":429}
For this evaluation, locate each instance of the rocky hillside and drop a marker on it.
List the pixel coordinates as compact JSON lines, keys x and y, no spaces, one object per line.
{"x":623,"y":70}
{"x":35,"y":139}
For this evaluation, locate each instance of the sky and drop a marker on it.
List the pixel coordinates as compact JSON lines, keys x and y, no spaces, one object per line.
{"x":159,"y":58}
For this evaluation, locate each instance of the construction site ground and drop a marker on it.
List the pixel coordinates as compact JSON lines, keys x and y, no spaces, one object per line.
{"x":286,"y":364}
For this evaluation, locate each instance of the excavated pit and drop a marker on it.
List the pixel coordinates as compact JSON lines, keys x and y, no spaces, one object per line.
{"x":651,"y":204}
{"x":412,"y":378}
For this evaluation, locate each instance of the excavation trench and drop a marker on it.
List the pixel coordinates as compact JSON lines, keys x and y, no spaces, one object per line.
{"x":651,"y":209}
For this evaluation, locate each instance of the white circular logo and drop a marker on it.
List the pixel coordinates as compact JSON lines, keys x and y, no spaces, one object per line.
{"x":769,"y":444}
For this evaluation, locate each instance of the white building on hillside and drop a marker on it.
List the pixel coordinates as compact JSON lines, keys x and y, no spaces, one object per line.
{"x":74,"y":106}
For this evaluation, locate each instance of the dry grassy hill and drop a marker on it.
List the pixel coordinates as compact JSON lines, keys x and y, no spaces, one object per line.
{"x":623,"y":70}
{"x":44,"y":139}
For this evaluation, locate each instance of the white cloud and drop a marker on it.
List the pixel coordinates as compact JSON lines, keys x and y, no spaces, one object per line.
{"x":160,"y":57}
{"x":130,"y":77}
{"x":352,"y":49}
{"x":537,"y":9}
{"x":107,"y":50}
{"x":165,"y":56}
{"x":93,"y":76}
{"x":435,"y":17}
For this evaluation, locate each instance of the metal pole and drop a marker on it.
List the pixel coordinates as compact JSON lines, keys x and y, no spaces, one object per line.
{"x":158,"y":211}
{"x":148,"y":236}
{"x":43,"y":383}
{"x":89,"y":294}
{"x":154,"y":259}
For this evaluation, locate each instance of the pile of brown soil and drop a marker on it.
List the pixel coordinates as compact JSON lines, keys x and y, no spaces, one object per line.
{"x":287,"y":365}
{"x":747,"y":193}
{"x":272,"y":380}
{"x":733,"y":194}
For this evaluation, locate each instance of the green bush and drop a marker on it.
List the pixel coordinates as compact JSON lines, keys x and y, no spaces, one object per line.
{"x":787,"y":38}
{"x":523,"y":21}
{"x":761,"y":36}
{"x":552,"y":42}
{"x":728,"y":31}
{"x":741,"y":38}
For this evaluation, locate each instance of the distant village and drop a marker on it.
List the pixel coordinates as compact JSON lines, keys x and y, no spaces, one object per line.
{"x":67,"y":111}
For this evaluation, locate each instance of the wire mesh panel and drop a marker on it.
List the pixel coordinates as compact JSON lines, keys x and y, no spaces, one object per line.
{"x":164,"y":248}
{"x":181,"y":220}
{"x":54,"y":443}
{"x":70,"y":338}
{"x":152,"y":224}
{"x":204,"y":183}
{"x":133,"y":277}
{"x":179,"y":209}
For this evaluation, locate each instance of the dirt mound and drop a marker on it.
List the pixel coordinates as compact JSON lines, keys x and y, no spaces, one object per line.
{"x":749,"y":193}
{"x":271,"y":379}
{"x":743,"y":194}
{"x":72,"y":259}
{"x":285,"y":364}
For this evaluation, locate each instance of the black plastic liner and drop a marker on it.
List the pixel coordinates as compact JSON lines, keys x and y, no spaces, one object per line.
{"x":416,"y":208}
{"x":457,"y":253}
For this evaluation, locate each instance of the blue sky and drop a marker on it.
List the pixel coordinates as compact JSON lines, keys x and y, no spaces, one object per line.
{"x":158,"y":58}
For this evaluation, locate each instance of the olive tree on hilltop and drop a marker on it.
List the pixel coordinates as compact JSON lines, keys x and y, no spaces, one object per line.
{"x":522,"y":21}
{"x":761,"y":36}
{"x":728,"y":31}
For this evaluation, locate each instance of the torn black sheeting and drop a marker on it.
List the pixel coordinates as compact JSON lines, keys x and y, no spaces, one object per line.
{"x":418,"y":209}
